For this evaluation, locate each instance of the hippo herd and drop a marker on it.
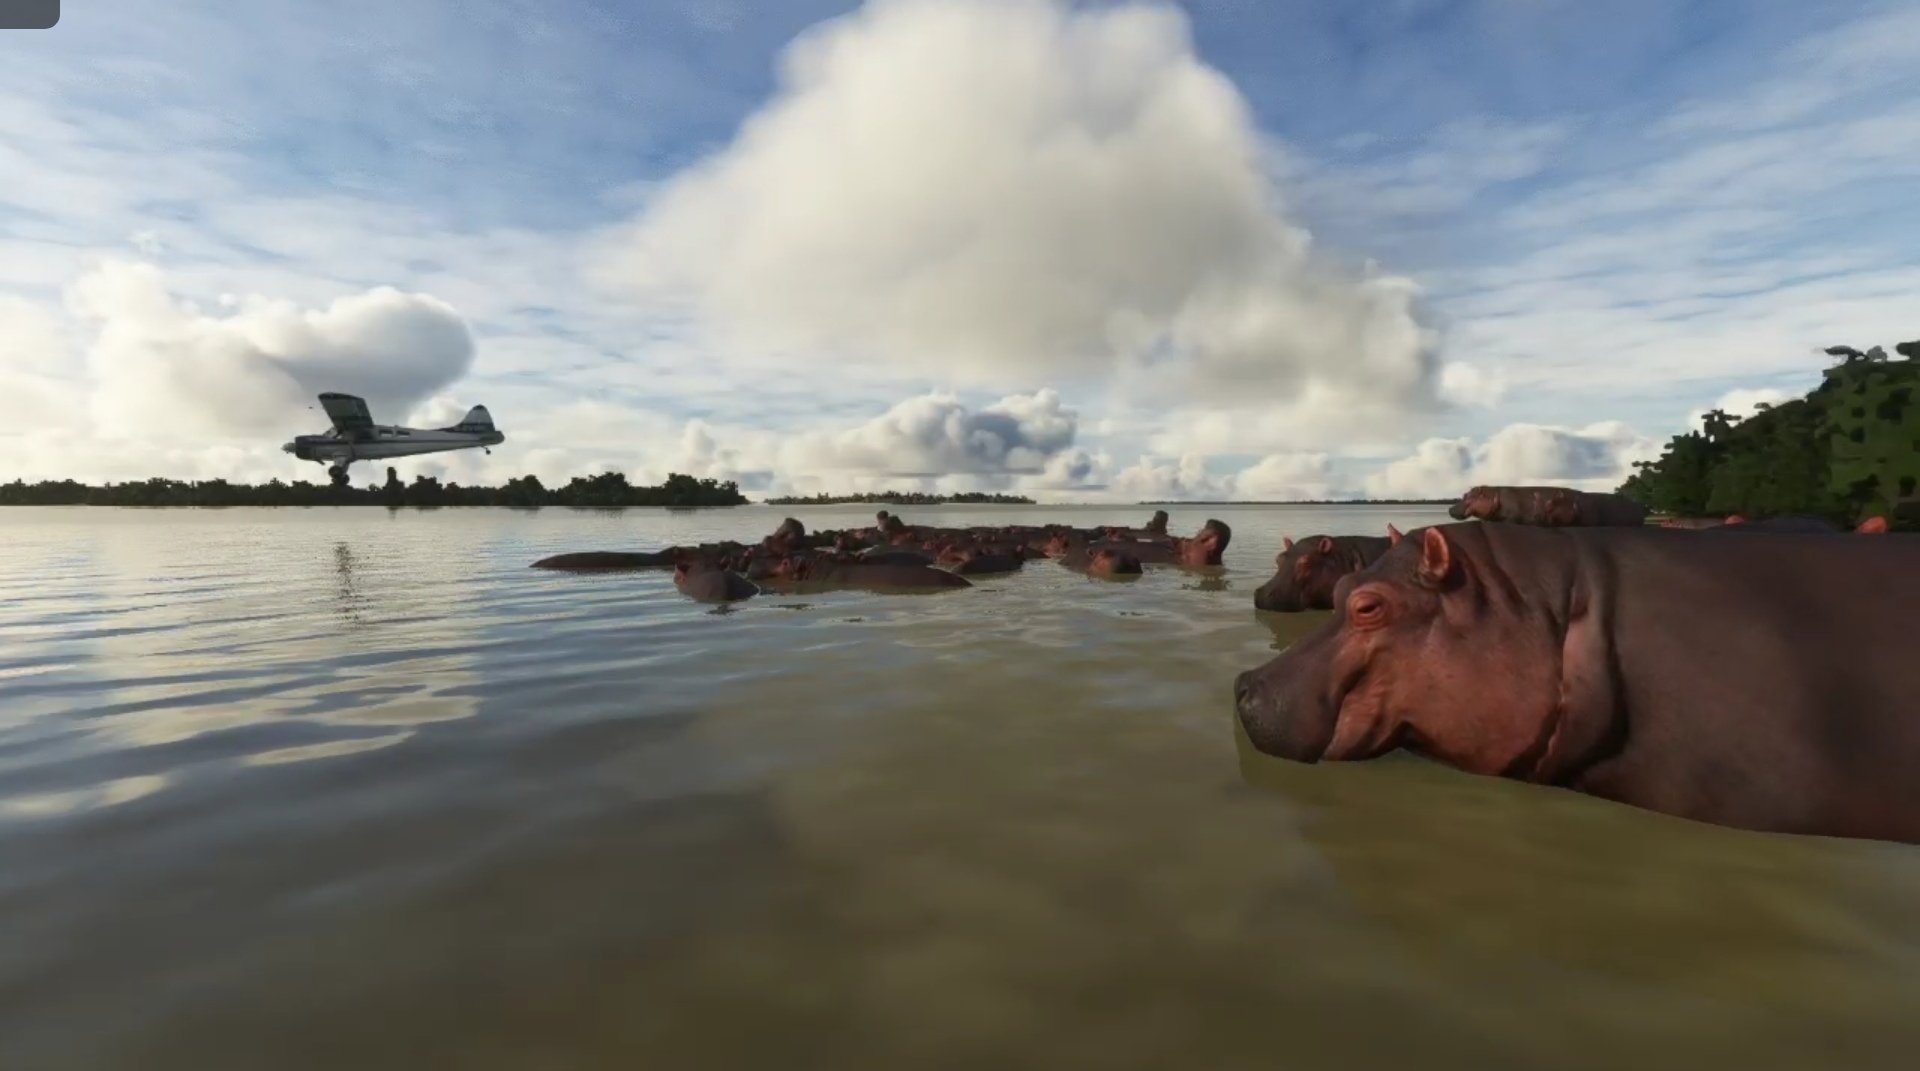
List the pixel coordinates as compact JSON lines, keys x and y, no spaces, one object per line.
{"x":895,"y":557}
{"x":1768,"y":682}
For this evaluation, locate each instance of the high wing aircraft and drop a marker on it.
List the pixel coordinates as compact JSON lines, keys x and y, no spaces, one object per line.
{"x":355,"y":437}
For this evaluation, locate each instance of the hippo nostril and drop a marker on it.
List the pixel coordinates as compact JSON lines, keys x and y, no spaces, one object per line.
{"x":1243,"y":690}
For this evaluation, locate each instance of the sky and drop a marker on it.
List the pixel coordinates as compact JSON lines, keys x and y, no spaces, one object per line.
{"x":1092,"y":251}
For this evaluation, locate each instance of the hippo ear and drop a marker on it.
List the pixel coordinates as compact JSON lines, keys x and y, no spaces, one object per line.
{"x":1326,"y":544}
{"x":1436,"y":558}
{"x":1286,"y":542}
{"x":1393,"y":536}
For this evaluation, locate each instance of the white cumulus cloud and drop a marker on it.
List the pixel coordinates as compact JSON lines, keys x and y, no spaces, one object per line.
{"x":1741,"y":403}
{"x":162,"y":366}
{"x":937,"y":434}
{"x":1018,"y":193}
{"x":1595,"y":458}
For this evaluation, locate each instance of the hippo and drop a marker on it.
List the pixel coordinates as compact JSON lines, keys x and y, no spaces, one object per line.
{"x":1105,"y":562}
{"x":828,"y":573}
{"x":1198,"y":551}
{"x":614,"y":559}
{"x":1551,"y":506}
{"x":1873,"y":526}
{"x":706,"y":583}
{"x":1207,"y":546}
{"x":1157,"y":525}
{"x":1305,"y":572}
{"x":890,"y":555}
{"x":976,"y":562}
{"x":1752,"y":683}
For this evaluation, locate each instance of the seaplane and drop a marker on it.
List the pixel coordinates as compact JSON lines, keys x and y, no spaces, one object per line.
{"x":355,"y":437}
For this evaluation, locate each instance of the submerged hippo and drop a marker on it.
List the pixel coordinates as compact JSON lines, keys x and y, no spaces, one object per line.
{"x":707,"y":583}
{"x":1753,"y":682}
{"x":976,"y":562}
{"x":1106,"y":562}
{"x":1306,"y":572}
{"x":1205,"y":548}
{"x":1557,"y":507}
{"x":829,"y":573}
{"x":890,"y":555}
{"x":614,"y":559}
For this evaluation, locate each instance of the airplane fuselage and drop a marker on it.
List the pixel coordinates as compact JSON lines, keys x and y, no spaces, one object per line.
{"x":386,"y":441}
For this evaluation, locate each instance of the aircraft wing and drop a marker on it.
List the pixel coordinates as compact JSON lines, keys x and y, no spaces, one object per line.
{"x":349,"y":415}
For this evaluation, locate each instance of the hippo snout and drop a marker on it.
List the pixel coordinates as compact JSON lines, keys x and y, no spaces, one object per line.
{"x":1275,"y":723}
{"x":1458,"y":511}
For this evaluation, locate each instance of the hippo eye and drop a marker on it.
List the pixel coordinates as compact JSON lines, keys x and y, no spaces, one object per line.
{"x":1366,"y":608}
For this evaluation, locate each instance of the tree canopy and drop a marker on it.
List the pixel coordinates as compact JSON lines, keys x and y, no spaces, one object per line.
{"x":1847,"y":451}
{"x":606,"y":490}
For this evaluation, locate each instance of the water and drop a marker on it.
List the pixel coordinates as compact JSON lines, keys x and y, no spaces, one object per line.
{"x":343,"y":788}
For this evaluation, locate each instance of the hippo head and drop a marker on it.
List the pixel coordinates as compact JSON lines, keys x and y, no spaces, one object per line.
{"x":1419,"y":653}
{"x":1481,"y":502}
{"x":1206,"y":547}
{"x":784,"y":567}
{"x":1305,"y":574}
{"x":1059,"y":543}
{"x":1107,"y":561}
{"x":759,"y":567}
{"x":790,"y":530}
{"x":1158,"y":525}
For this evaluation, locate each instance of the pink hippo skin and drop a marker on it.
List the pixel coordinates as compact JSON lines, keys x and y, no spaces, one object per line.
{"x":1305,"y":573}
{"x":1761,"y":682}
{"x":1550,"y":506}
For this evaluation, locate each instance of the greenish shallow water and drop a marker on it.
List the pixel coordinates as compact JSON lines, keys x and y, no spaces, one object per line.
{"x":343,"y":788}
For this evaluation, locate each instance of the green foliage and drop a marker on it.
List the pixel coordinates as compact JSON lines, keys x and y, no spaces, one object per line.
{"x":1848,"y":450}
{"x":609,"y":490}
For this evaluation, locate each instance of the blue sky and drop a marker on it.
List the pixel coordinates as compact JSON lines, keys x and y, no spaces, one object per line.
{"x":999,"y":244}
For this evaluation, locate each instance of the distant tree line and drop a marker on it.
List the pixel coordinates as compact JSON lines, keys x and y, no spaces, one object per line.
{"x":605,"y":491}
{"x":1847,"y":451}
{"x":903,"y":498}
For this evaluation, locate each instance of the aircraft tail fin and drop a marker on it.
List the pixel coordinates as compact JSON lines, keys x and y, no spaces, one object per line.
{"x":477,"y":419}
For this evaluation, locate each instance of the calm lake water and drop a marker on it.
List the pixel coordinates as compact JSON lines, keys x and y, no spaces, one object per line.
{"x":344,"y":788}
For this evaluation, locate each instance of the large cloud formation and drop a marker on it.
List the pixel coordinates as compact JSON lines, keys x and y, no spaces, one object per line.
{"x":1015,"y":193}
{"x":162,"y":366}
{"x":1595,"y":458}
{"x":937,"y":434}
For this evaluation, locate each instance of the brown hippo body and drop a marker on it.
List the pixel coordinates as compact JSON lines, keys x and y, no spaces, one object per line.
{"x":1200,"y":550}
{"x":983,"y":563}
{"x":827,"y":574}
{"x":707,"y":583}
{"x":1306,"y":572}
{"x":614,"y":559}
{"x":1106,"y":562}
{"x":895,"y":556}
{"x":1556,"y":507}
{"x":1760,"y":683}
